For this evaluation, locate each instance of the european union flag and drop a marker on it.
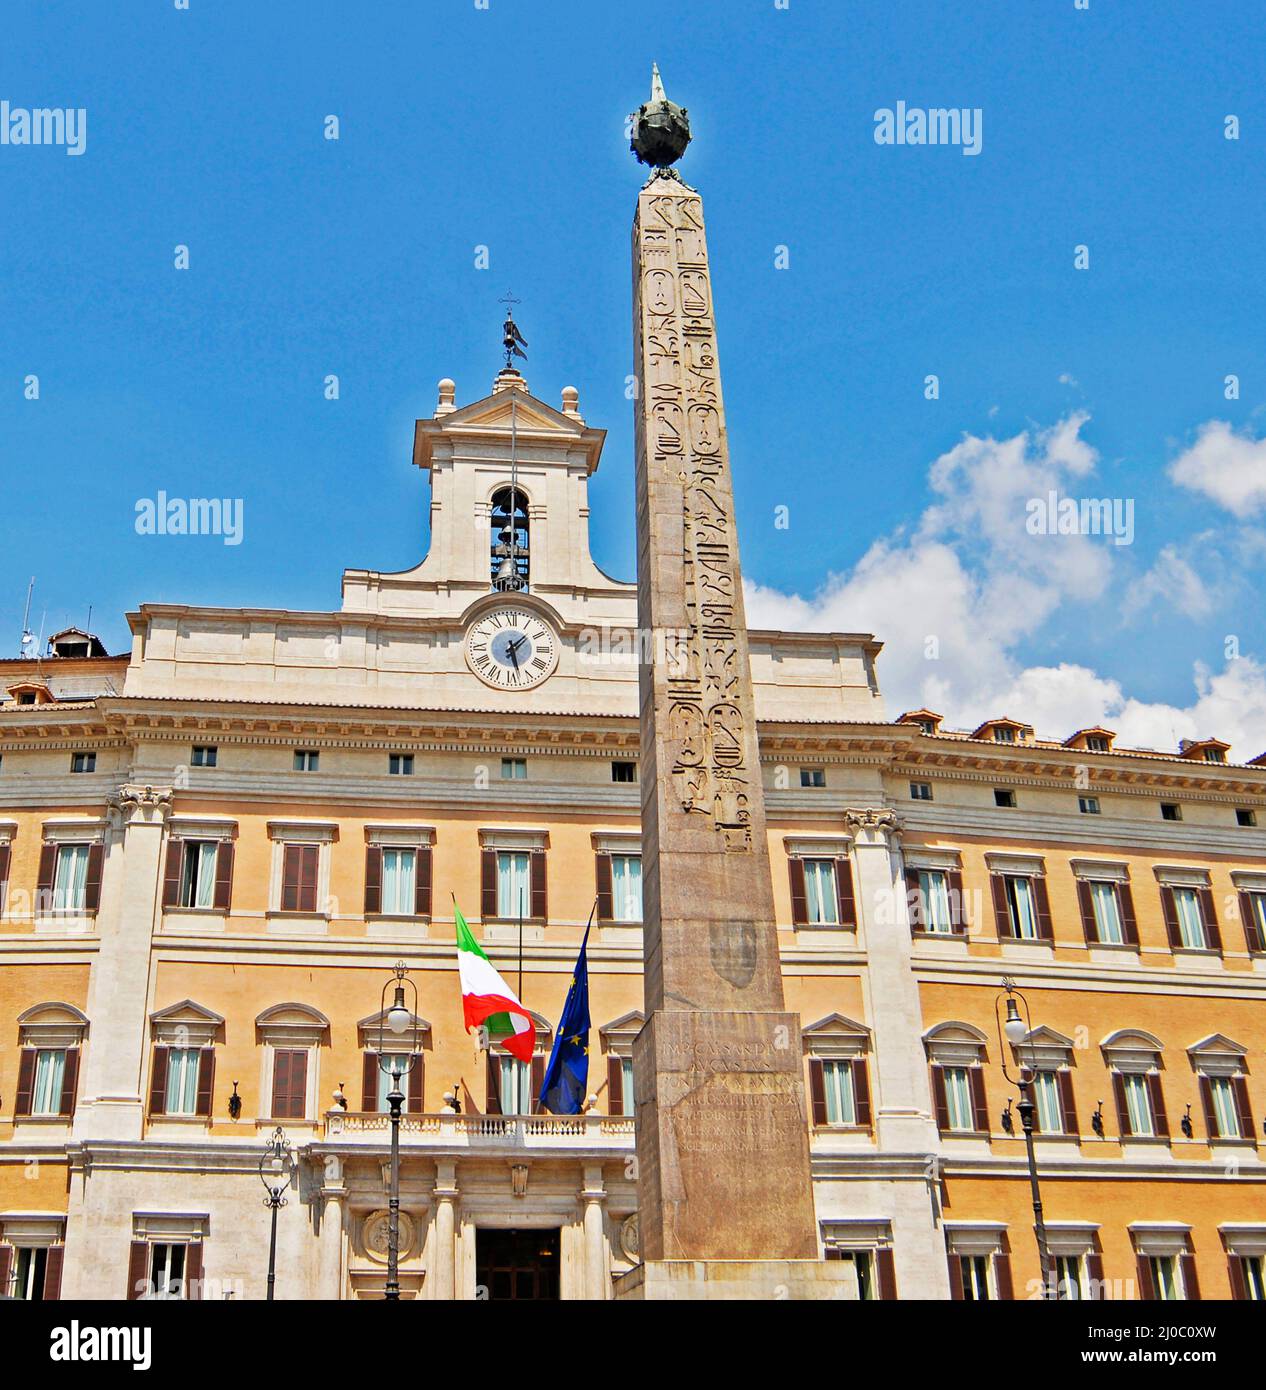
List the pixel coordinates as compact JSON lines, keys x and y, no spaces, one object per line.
{"x":567,"y":1076}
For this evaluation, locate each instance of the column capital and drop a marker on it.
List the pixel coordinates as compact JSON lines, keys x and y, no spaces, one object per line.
{"x":141,"y":805}
{"x":873,"y":824}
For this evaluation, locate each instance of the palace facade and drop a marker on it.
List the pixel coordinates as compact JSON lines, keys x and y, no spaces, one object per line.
{"x":214,"y":850}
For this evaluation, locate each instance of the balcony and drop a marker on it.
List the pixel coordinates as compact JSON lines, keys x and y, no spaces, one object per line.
{"x":480,"y":1134}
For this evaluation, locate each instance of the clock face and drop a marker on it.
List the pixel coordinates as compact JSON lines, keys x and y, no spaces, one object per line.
{"x":511,"y":648}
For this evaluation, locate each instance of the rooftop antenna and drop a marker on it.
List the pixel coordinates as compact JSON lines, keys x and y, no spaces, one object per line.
{"x":27,"y":648}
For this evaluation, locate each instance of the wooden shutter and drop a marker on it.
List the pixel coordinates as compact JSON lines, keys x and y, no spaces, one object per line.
{"x":615,"y":1085}
{"x":799,"y":899}
{"x":979,"y":1104}
{"x":1190,"y":1283}
{"x":1235,"y":1268}
{"x":488,"y":886}
{"x":138,"y":1269}
{"x":224,"y":876}
{"x":1159,"y":1117}
{"x":1129,"y":922}
{"x":844,"y":892}
{"x":206,"y":1082}
{"x":369,"y":1082}
{"x":540,"y":900}
{"x":817,"y":1090}
{"x":958,"y":902}
{"x":861,"y":1091}
{"x":422,"y":881}
{"x":414,"y":1102}
{"x":1067,"y":1102}
{"x":70,"y":1082}
{"x":1086,"y":902}
{"x":1002,"y":1275}
{"x":1252,"y":936}
{"x":6,"y":1267}
{"x":1094,"y":1272}
{"x":1147,"y":1286}
{"x":955,"y":1275}
{"x":193,"y":1271}
{"x":158,"y":1081}
{"x":1001,"y":911}
{"x":886,"y":1266}
{"x":309,"y":862}
{"x":25,"y":1093}
{"x":1123,"y":1110}
{"x":92,"y":884}
{"x":171,"y":872}
{"x":1240,"y":1085}
{"x":44,"y":880}
{"x":1045,"y":927}
{"x":1210,"y":1114}
{"x":602,"y":877}
{"x":1209,"y":915}
{"x":290,"y":871}
{"x":53,"y":1273}
{"x":6,"y":858}
{"x":492,"y":1069}
{"x":290,"y":1084}
{"x":941,"y":1101}
{"x":538,"y":1080}
{"x":1170,"y":910}
{"x":914,"y":900}
{"x":373,"y":879}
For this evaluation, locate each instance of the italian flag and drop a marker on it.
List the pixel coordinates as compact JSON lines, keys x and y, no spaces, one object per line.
{"x":488,"y":1000}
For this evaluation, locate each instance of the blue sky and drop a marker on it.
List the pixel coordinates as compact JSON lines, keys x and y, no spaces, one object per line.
{"x":503,"y":126}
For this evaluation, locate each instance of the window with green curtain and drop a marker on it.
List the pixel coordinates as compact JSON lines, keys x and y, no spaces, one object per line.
{"x":626,"y":887}
{"x":1050,"y":1114}
{"x":387,"y":1065}
{"x":1107,"y":909}
{"x":962,"y":1115}
{"x":182,"y":1080}
{"x":841,"y":1103}
{"x":1225,"y":1111}
{"x":71,"y":878}
{"x":516,"y":1086}
{"x":934,"y":890}
{"x":1023,"y":909}
{"x":514,"y":883}
{"x":399,"y":869}
{"x":197,"y":873}
{"x":50,"y":1069}
{"x":1190,"y":923}
{"x":1138,"y":1103}
{"x":819,"y":891}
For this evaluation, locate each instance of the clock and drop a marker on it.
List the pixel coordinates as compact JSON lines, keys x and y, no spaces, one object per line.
{"x":510,"y":648}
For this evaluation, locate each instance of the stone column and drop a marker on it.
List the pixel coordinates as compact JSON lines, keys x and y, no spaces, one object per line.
{"x":330,"y":1255}
{"x":111,"y":1102}
{"x":442,"y":1274}
{"x":597,"y":1262}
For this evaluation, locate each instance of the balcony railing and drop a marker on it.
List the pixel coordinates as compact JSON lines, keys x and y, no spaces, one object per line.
{"x":533,"y":1132}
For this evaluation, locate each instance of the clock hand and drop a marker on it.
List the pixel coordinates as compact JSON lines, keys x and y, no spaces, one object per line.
{"x":510,"y":647}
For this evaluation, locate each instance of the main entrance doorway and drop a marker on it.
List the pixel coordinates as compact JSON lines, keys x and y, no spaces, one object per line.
{"x":516,"y":1264}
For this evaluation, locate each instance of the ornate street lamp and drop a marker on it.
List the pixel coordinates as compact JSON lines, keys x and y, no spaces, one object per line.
{"x":398,"y":1042}
{"x":275,"y":1174}
{"x":1017,"y":1027}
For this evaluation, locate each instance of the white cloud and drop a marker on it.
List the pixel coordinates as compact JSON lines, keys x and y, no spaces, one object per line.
{"x":1227,"y":467}
{"x":1172,"y":581}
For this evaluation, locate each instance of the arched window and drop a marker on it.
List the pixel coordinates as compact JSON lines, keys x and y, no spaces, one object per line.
{"x":510,"y":540}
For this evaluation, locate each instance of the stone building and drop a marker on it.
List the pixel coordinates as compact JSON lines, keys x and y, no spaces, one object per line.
{"x":214,"y":850}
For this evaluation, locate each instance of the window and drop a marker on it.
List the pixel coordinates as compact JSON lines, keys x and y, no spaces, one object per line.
{"x":1245,"y":816}
{"x":182,"y":1080}
{"x":1166,"y":1278}
{"x":307,"y":760}
{"x":197,"y":873}
{"x":1214,"y":755}
{"x":299,"y":869}
{"x":1003,"y":733}
{"x":1068,"y":1270}
{"x":626,"y":887}
{"x":1138,"y":1106}
{"x":1004,"y":797}
{"x":837,"y":1085}
{"x":1171,"y":810}
{"x":1096,"y":743}
{"x":812,"y":777}
{"x":290,"y":1083}
{"x":1049,"y":1113}
{"x":920,"y":791}
{"x":1190,"y":923}
{"x":1253,"y":908}
{"x":399,"y":881}
{"x":1088,"y":805}
{"x":386,"y":1068}
{"x":934,"y":900}
{"x":863,"y":1262}
{"x":70,"y":882}
{"x":26,"y":697}
{"x":515,"y":1085}
{"x":30,"y":1268}
{"x":400,"y":764}
{"x":205,"y":755}
{"x":514,"y":883}
{"x":821,"y":899}
{"x":1222,"y":1107}
{"x":975,"y":1276}
{"x":514,"y":769}
{"x":927,"y":726}
{"x":620,"y":1094}
{"x":1253,"y":1276}
{"x":83,"y":762}
{"x":958,"y":1100}
{"x":167,"y":1270}
{"x":1105,"y":908}
{"x":50,"y":1080}
{"x":623,"y":771}
{"x":1018,"y":917}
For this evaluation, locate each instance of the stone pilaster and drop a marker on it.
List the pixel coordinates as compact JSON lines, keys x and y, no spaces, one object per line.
{"x":330,"y":1256}
{"x":441,"y":1276}
{"x":593,"y":1195}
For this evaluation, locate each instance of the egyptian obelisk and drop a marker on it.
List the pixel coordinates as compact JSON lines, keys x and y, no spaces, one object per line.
{"x":722,"y":1138}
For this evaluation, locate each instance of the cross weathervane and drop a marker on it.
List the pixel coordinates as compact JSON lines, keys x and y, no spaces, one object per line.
{"x":511,"y":339}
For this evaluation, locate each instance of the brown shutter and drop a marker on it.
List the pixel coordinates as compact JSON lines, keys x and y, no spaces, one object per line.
{"x":281,"y":1084}
{"x":1001,"y":911}
{"x":290,"y":857}
{"x":224,"y":876}
{"x":958,"y":902}
{"x":369,"y":1082}
{"x":955,"y":1275}
{"x":70,"y":1082}
{"x":492,"y":1105}
{"x":1094,"y":1272}
{"x":158,"y":1081}
{"x":602,"y":877}
{"x":44,"y":881}
{"x":615,"y":1086}
{"x":373,"y":879}
{"x":206,"y":1082}
{"x":941,"y":1102}
{"x":538,"y":1080}
{"x":1252,"y":936}
{"x":799,"y":900}
{"x":979,"y":1104}
{"x":171,"y":873}
{"x":1170,"y":910}
{"x":1002,"y":1275}
{"x":1087,"y":904}
{"x":844,"y":892}
{"x":1235,"y":1268}
{"x":914,"y":900}
{"x":887,"y":1273}
{"x":52,"y":1273}
{"x":6,"y":1268}
{"x":1209,"y":914}
{"x":1067,"y":1102}
{"x":488,"y":886}
{"x":1206,"y":1100}
{"x":137,"y":1269}
{"x":1129,"y":922}
{"x":309,"y":862}
{"x":6,"y":857}
{"x":1045,"y":927}
{"x":817,"y":1090}
{"x":422,"y":881}
{"x":540,"y":900}
{"x":861,"y":1091}
{"x":1123,"y":1110}
{"x":1159,"y":1116}
{"x":193,"y":1271}
{"x":1242,"y":1107}
{"x":92,"y":883}
{"x":25,"y":1093}
{"x":1147,"y":1286}
{"x":414,"y":1102}
{"x":290,"y":1084}
{"x":1190,"y":1283}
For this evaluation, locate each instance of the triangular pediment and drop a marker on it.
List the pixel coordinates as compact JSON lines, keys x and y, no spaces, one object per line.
{"x":1217,"y":1044}
{"x":496,"y":412}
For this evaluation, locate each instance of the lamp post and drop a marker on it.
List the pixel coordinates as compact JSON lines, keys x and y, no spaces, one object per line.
{"x":275,"y":1174}
{"x":1017,"y":1027}
{"x":397,"y":1026}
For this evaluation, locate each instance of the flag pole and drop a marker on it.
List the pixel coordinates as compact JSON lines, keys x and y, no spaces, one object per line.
{"x":520,"y":930}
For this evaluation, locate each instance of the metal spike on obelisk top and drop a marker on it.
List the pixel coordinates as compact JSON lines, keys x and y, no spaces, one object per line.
{"x":660,"y":130}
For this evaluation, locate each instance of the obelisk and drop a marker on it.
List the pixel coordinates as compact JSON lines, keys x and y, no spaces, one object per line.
{"x":722,"y":1138}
